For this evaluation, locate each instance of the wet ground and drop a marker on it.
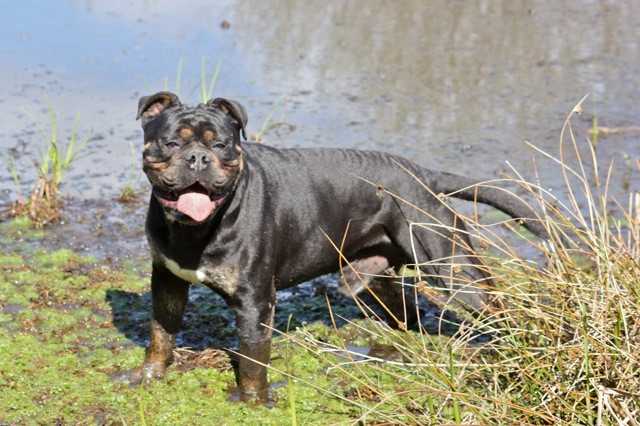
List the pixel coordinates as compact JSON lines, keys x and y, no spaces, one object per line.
{"x":68,"y":323}
{"x":96,"y":229}
{"x":74,"y":312}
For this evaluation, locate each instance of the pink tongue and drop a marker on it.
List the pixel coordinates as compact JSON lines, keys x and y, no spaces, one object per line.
{"x":196,"y":205}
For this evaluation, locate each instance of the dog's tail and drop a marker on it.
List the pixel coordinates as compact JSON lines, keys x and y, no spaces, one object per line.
{"x":472,"y":190}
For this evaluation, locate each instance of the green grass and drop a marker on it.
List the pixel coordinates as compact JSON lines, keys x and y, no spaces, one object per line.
{"x":208,"y":83}
{"x":208,"y":80}
{"x":178,"y":81}
{"x":268,"y":124}
{"x":58,"y":159}
{"x":128,"y":192}
{"x":15,"y":176}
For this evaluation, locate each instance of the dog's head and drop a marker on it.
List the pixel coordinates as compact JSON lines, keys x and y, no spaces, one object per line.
{"x":192,"y":155}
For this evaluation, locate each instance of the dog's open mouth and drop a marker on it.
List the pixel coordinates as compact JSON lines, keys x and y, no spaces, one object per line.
{"x":193,"y":201}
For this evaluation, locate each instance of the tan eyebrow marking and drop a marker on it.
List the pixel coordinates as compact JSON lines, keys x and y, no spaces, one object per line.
{"x":186,"y":133}
{"x":208,"y":135}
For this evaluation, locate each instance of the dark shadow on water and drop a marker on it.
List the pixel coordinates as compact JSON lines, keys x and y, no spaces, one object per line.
{"x":209,"y":323}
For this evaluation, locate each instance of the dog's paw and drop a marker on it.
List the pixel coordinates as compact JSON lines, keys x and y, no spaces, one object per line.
{"x":143,"y":375}
{"x":264,"y":397}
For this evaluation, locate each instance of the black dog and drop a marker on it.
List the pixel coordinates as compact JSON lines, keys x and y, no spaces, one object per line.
{"x":247,"y":219}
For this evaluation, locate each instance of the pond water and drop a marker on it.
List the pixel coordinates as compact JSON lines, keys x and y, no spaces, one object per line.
{"x":453,"y":85}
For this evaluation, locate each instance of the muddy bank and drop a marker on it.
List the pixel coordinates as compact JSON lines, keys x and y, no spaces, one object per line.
{"x":106,"y":229}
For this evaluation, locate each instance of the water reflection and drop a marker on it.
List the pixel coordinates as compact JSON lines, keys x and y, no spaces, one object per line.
{"x":454,"y":85}
{"x":487,"y":74}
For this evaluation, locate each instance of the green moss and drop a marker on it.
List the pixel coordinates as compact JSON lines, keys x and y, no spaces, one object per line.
{"x":7,"y":261}
{"x":6,"y":291}
{"x":21,"y":277}
{"x":20,"y":227}
{"x":56,"y":258}
{"x":18,"y":298}
{"x":21,"y":222}
{"x":56,"y":354}
{"x":136,"y":283}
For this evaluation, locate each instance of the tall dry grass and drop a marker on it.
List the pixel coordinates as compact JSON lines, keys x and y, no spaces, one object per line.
{"x":565,"y":344}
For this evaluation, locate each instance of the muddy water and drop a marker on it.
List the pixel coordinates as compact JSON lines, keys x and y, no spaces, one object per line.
{"x":457,"y":86}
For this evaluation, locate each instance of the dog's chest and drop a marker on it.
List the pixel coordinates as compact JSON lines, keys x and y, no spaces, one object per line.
{"x":222,"y":278}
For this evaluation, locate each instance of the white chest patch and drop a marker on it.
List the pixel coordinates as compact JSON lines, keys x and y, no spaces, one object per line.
{"x":193,"y":276}
{"x":221,"y":278}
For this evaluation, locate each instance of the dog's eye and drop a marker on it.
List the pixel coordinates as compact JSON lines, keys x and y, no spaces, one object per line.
{"x":171,"y":144}
{"x":220,"y":145}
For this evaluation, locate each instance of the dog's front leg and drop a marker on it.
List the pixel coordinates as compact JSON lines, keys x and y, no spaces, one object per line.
{"x":254,"y":319}
{"x":169,"y":296}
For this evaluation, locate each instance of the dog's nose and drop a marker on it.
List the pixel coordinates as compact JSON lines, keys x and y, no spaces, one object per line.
{"x":198,"y":160}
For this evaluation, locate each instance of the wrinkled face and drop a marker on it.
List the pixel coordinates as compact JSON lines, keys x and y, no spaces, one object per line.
{"x":192,"y":155}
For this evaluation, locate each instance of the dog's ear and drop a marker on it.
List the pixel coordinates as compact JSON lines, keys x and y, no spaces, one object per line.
{"x":150,"y":106}
{"x":234,"y":109}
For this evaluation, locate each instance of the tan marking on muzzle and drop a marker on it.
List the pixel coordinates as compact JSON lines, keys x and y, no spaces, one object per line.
{"x":157,"y":166}
{"x":241,"y":165}
{"x":215,"y":160}
{"x":232,"y":163}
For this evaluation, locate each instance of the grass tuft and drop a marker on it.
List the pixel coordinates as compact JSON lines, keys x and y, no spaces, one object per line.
{"x":128,"y":193}
{"x":565,"y":346}
{"x":268,"y":124}
{"x":208,"y":84}
{"x":43,"y":205}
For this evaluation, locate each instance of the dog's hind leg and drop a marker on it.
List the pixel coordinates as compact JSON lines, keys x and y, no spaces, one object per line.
{"x":443,"y":255}
{"x":397,"y":303}
{"x":359,"y":273}
{"x":373,"y":275}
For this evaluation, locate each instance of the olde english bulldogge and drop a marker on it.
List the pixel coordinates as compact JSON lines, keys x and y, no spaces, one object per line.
{"x":248,"y":219}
